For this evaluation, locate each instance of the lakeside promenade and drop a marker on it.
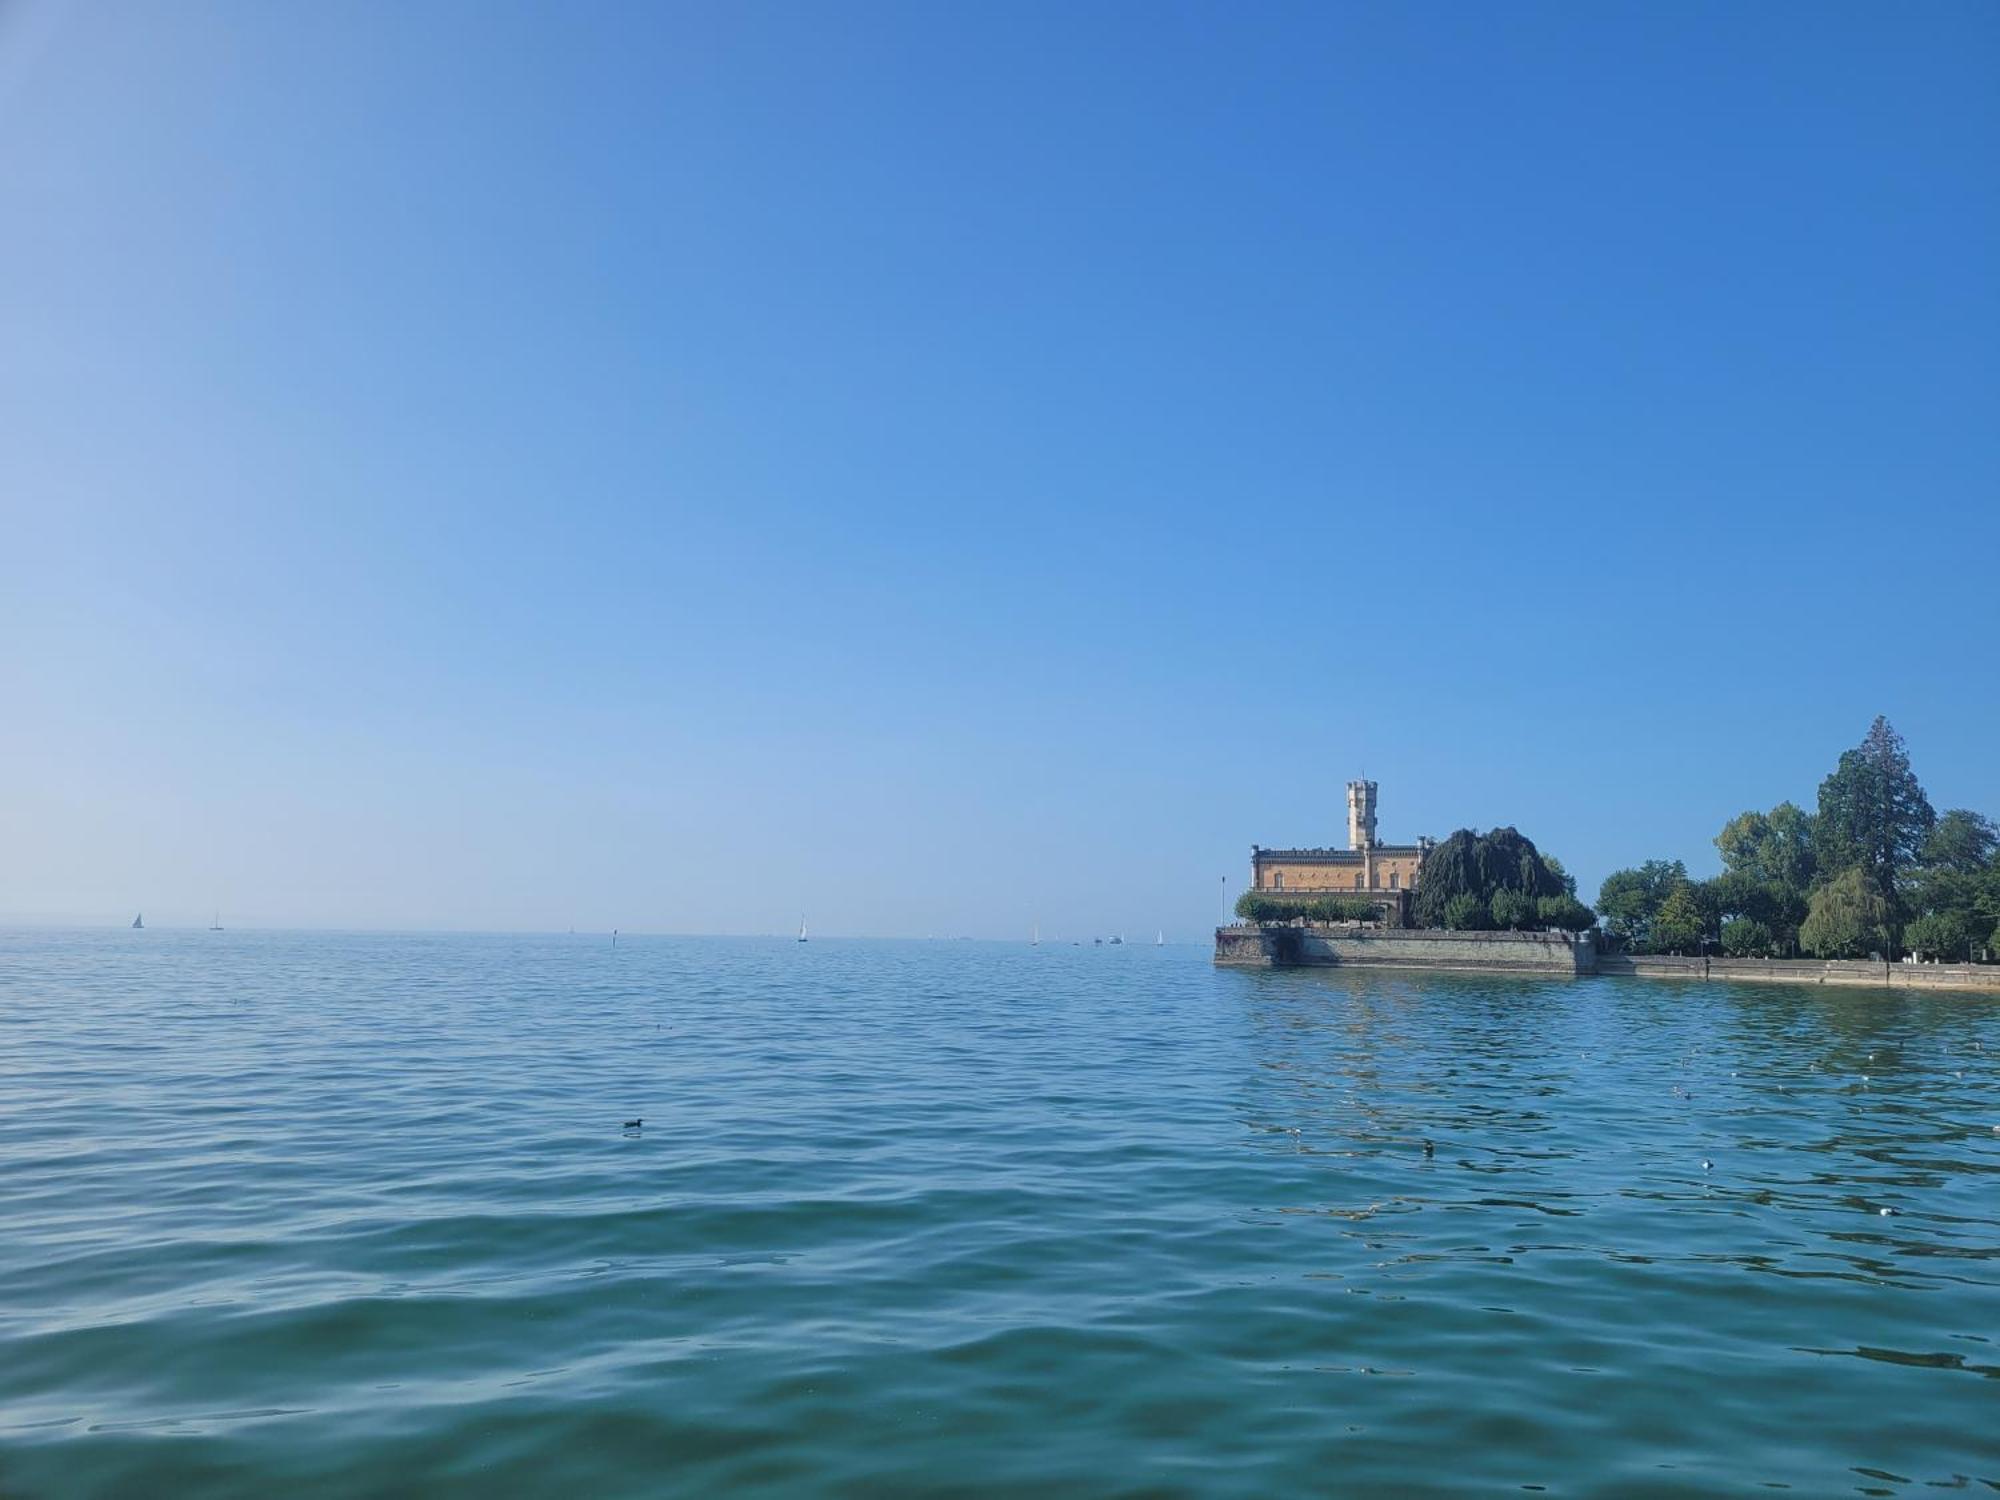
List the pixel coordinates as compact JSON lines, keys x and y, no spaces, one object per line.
{"x":1337,"y":945}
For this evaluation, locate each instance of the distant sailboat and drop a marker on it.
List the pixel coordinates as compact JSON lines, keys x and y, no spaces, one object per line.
{"x":139,"y":921}
{"x":216,"y":925}
{"x":1161,"y":940}
{"x":802,"y":927}
{"x":1036,"y":940}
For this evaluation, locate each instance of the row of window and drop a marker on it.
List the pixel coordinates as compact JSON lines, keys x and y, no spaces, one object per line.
{"x":1395,"y":881}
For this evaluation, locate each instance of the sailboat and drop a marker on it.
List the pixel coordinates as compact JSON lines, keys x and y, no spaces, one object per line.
{"x":139,"y":922}
{"x":216,"y":925}
{"x":1161,"y":940}
{"x":1036,"y":940}
{"x":802,"y":927}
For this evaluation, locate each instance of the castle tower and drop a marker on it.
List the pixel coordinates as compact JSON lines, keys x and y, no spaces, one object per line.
{"x":1360,"y":814}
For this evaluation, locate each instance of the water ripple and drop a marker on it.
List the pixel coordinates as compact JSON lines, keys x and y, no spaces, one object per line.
{"x":353,"y":1215}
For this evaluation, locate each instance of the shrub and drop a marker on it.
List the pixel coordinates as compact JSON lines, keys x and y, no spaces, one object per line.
{"x":1566,"y":913}
{"x":1511,"y":909}
{"x":1466,"y":913}
{"x":1944,"y":935}
{"x":1261,"y":906}
{"x":1349,"y":910}
{"x":1745,"y":937}
{"x":1275,"y":906}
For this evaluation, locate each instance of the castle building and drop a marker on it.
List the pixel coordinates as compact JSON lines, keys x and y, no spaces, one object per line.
{"x":1364,"y":867}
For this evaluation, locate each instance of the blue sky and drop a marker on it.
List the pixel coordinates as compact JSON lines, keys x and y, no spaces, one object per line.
{"x":947,"y":467}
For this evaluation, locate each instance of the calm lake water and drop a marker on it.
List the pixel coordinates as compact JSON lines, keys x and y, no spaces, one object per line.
{"x":287,"y":1214}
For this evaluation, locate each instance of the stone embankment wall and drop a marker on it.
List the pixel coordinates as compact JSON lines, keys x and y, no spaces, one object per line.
{"x":1398,"y":948}
{"x":1294,"y":945}
{"x":1969,"y":977}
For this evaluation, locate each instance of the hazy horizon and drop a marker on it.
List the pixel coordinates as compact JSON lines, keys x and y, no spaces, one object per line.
{"x":195,"y":922}
{"x":941,"y":470}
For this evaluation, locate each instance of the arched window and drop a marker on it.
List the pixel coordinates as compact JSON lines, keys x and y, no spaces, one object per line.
{"x":1357,"y":880}
{"x":1394,"y":878}
{"x":1278,"y":880}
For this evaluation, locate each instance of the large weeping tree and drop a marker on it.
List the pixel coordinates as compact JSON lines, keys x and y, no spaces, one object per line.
{"x":1473,"y":869}
{"x":1873,"y":815}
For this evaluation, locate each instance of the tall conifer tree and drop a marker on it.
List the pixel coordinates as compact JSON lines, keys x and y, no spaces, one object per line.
{"x":1873,"y":814}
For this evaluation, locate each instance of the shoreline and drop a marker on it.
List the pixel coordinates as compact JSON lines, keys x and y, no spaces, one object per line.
{"x":1563,"y":955}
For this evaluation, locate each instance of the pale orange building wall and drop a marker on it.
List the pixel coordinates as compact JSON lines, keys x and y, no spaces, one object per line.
{"x":1317,"y":877}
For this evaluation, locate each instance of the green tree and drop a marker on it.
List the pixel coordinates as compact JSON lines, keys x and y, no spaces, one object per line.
{"x":1511,"y":910}
{"x":1848,"y":918}
{"x":1480,"y":866}
{"x":1945,"y":935}
{"x":1741,"y":842}
{"x":1776,"y":908}
{"x":1269,"y":906}
{"x":1789,"y":855}
{"x":1556,"y":869}
{"x":1741,"y":893}
{"x":1962,"y":842}
{"x":1565,"y":913}
{"x":1955,"y":884}
{"x":1942,"y":891}
{"x":1276,"y":906}
{"x":1681,"y":921}
{"x":1986,"y":912}
{"x":1873,"y":813}
{"x":1466,"y":913}
{"x":1708,"y":902}
{"x":1774,"y":847}
{"x":1629,"y":900}
{"x":1745,"y":937}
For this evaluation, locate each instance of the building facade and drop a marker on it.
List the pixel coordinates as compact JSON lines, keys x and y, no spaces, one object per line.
{"x":1365,"y":867}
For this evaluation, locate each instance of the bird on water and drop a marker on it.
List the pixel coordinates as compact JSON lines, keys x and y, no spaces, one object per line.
{"x":634,"y":1124}
{"x":1429,"y":1150}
